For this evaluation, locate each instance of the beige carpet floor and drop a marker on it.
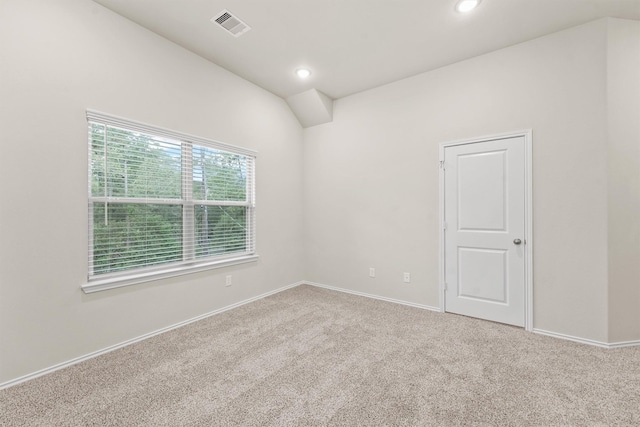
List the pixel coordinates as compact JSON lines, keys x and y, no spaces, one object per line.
{"x":313,"y":357}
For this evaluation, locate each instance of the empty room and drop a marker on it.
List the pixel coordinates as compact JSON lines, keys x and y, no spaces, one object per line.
{"x":329,"y":212}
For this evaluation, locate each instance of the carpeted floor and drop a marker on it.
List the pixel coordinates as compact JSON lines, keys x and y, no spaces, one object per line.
{"x":313,"y":357}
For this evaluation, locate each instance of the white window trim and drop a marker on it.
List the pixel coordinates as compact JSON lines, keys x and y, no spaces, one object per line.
{"x":127,"y":278}
{"x":121,"y":280}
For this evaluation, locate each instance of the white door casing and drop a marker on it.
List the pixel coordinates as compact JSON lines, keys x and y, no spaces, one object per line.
{"x":485,"y":207}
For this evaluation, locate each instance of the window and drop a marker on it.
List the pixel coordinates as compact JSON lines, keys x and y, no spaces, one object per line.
{"x":163,"y":203}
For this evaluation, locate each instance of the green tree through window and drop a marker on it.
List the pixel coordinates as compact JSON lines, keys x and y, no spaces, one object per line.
{"x":157,"y":201}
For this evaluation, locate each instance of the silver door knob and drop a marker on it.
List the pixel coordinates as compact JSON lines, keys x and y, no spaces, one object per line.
{"x":517,"y":241}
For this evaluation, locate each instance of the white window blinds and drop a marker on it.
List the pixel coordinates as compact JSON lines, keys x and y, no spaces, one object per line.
{"x":161,"y":200}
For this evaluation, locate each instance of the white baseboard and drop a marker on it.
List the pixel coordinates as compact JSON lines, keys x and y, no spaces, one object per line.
{"x":363,"y":294}
{"x":247,"y":301}
{"x":138,"y":339}
{"x":586,"y":340}
{"x":622,"y":344}
{"x":537,"y":331}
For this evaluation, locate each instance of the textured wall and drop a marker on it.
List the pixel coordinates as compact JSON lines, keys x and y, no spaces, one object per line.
{"x":623,"y":101}
{"x":371,"y":176}
{"x":59,"y":58}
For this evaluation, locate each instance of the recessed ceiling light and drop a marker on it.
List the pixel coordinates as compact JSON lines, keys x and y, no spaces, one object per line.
{"x":303,"y":73}
{"x":464,"y":6}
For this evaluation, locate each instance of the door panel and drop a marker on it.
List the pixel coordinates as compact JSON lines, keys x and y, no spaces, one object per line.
{"x":481,"y":192}
{"x":484,"y":214}
{"x":482,"y":274}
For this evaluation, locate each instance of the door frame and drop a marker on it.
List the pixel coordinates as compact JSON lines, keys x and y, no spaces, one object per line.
{"x":528,"y":216}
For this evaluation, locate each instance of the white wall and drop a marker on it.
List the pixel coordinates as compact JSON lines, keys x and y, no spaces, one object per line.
{"x":57,"y":59}
{"x":623,"y":98}
{"x":371,"y":176}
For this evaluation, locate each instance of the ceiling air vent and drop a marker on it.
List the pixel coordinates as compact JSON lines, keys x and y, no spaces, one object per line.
{"x":230,"y":23}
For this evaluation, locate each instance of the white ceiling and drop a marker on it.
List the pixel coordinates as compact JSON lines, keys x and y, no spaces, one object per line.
{"x":354,"y":45}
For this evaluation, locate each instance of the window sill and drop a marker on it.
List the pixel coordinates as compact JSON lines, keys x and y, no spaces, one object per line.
{"x":97,"y":285}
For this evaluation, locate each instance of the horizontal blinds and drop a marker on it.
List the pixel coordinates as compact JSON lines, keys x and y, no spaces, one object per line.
{"x":155,"y":200}
{"x":108,"y":119}
{"x":132,"y":236}
{"x":128,"y":164}
{"x":220,"y":175}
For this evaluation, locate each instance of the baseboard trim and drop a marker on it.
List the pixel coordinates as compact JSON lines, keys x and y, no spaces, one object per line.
{"x":570,"y":338}
{"x":586,"y":340}
{"x":111,"y":348}
{"x":378,"y":297}
{"x":621,"y":344}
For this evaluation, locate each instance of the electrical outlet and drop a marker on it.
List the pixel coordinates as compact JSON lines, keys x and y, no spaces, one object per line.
{"x":372,"y":272}
{"x":228,"y":280}
{"x":407,"y":277}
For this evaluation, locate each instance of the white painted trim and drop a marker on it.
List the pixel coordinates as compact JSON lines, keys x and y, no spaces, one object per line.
{"x":441,"y":215}
{"x":105,"y":350}
{"x":117,"y":121}
{"x":622,"y":344}
{"x":528,"y":247}
{"x":119,"y":280}
{"x":587,"y":340}
{"x":528,"y":211}
{"x":139,"y":338}
{"x":571,"y":338}
{"x":378,"y":297}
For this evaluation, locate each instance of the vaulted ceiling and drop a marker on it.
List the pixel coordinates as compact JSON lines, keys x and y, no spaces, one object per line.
{"x":354,"y":45}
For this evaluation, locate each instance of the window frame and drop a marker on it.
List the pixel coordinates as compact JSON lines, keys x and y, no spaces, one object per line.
{"x":190,"y":263}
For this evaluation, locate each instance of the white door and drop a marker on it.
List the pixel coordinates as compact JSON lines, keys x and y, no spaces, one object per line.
{"x":484,"y":230}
